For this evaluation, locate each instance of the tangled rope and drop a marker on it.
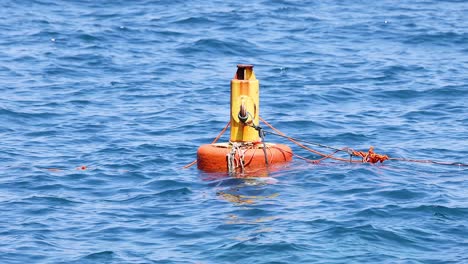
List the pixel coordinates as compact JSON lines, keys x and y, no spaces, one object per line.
{"x":370,"y":156}
{"x":236,"y":157}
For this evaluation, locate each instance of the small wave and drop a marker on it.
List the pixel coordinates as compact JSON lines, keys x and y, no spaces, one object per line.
{"x":184,"y":233}
{"x":163,"y":184}
{"x":394,"y":70}
{"x":442,"y":211}
{"x":351,"y":137}
{"x":221,"y":47}
{"x":402,"y":94}
{"x":449,"y":91}
{"x":255,"y":243}
{"x":407,"y":212}
{"x":45,"y":34}
{"x":355,"y":190}
{"x":425,"y":114}
{"x":403,"y":194}
{"x":373,"y":234}
{"x":193,"y":21}
{"x":100,"y":256}
{"x":170,"y":33}
{"x":25,"y":115}
{"x":175,"y":192}
{"x":89,"y":38}
{"x":369,"y":213}
{"x":45,"y":133}
{"x":439,"y":38}
{"x":50,"y":200}
{"x":284,"y":4}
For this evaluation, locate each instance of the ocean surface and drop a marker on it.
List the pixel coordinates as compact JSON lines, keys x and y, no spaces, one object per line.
{"x":103,"y":102}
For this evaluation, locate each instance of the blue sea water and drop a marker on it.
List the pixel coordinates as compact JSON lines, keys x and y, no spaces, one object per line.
{"x":130,"y":89}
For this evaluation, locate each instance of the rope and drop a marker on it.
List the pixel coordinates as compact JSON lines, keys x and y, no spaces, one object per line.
{"x":214,"y":141}
{"x":370,"y":156}
{"x":431,"y":162}
{"x":366,"y":157}
{"x":261,"y":132}
{"x":325,"y":156}
{"x":295,"y":155}
{"x":236,"y":157}
{"x":281,"y":134}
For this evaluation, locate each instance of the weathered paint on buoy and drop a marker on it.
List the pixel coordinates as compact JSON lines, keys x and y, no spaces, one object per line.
{"x":214,"y":157}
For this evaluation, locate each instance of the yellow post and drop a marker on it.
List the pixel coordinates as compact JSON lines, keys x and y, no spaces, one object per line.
{"x":244,"y":104}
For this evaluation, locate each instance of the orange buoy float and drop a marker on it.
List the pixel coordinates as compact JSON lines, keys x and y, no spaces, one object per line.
{"x":246,"y":149}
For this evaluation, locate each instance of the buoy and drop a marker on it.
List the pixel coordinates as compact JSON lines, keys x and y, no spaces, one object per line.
{"x":246,"y":149}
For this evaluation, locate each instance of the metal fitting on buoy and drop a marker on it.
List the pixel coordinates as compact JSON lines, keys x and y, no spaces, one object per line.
{"x":244,"y":104}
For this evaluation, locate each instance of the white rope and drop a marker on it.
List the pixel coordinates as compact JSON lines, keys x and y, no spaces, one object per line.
{"x":236,"y":156}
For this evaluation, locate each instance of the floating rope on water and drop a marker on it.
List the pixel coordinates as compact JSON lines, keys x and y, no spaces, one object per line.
{"x":370,"y":156}
{"x":236,"y":159}
{"x":366,"y":157}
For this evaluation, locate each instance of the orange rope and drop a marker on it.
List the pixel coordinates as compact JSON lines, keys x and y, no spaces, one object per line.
{"x":325,"y":156}
{"x":366,"y":157}
{"x":370,"y":156}
{"x":190,"y":164}
{"x":297,"y":156}
{"x":214,"y":141}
